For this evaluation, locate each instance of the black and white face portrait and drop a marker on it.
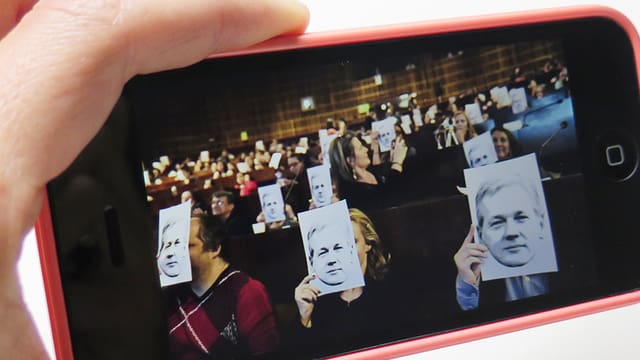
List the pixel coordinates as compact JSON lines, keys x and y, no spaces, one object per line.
{"x":173,"y":260}
{"x":320,"y":185}
{"x":480,"y":150}
{"x":509,"y":210}
{"x":272,"y":203}
{"x":325,"y":140}
{"x":330,"y":248}
{"x":386,"y":132}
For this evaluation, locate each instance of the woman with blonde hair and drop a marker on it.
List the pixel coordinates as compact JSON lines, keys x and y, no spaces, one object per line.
{"x":353,"y":314}
{"x":463,"y":127}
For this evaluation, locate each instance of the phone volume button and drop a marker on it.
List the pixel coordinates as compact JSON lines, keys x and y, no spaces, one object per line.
{"x":116,"y":250}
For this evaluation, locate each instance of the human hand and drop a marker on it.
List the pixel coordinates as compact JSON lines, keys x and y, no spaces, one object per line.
{"x":64,"y":64}
{"x":398,"y":152}
{"x":306,"y":296}
{"x":375,"y":136}
{"x":469,"y":257}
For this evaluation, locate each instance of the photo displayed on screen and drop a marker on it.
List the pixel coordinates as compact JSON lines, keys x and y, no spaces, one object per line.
{"x":330,"y":249}
{"x":509,"y":211}
{"x":480,"y":151}
{"x":173,"y":245}
{"x":320,"y":185}
{"x":396,"y":131}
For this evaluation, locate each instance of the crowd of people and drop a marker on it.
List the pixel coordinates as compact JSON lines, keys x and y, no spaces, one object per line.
{"x":369,"y":180}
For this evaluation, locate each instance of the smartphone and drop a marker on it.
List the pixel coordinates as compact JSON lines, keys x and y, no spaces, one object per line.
{"x":537,"y":228}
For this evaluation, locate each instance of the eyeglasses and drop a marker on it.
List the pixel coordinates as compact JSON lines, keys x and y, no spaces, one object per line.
{"x":218,"y":203}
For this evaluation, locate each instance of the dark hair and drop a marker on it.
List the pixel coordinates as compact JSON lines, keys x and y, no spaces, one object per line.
{"x":303,"y":158}
{"x":514,"y":145}
{"x":231,"y":199}
{"x":340,"y":149}
{"x":213,"y":234}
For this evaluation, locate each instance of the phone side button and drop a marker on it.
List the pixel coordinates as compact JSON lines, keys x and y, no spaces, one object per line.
{"x":116,"y":250}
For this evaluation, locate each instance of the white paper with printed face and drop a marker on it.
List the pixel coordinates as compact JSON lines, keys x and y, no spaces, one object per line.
{"x":320,"y":185}
{"x":405,"y":124}
{"x":330,"y":248}
{"x":501,"y":96}
{"x":509,"y":210}
{"x":174,"y":264}
{"x":480,"y":151}
{"x":325,"y":141}
{"x":417,"y":117}
{"x":518,"y":100}
{"x":274,"y":162}
{"x":386,"y":132}
{"x":473,"y":113}
{"x":272,"y":203}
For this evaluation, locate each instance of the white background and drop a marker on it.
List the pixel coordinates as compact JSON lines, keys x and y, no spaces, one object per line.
{"x":611,"y":334}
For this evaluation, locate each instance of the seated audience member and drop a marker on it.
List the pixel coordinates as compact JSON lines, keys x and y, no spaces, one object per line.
{"x":196,"y":202}
{"x":273,"y":206}
{"x":222,"y":313}
{"x":463,"y":128}
{"x":507,"y":230}
{"x":297,"y":188}
{"x":506,"y":145}
{"x":518,"y":79}
{"x":354,"y":179}
{"x":245,"y":185}
{"x":290,"y":219}
{"x":362,"y":313}
{"x":223,"y":205}
{"x":220,"y":170}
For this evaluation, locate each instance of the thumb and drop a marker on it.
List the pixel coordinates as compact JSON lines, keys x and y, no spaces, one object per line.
{"x":67,"y":61}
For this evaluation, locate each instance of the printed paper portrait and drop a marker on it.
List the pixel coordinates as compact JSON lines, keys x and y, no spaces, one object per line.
{"x":405,"y":124}
{"x":509,"y":210}
{"x":174,"y":264}
{"x":330,"y":248}
{"x":518,"y":100}
{"x":480,"y":151}
{"x":325,"y":141}
{"x":473,"y":113}
{"x":386,"y":132}
{"x":272,"y":203}
{"x":320,"y":185}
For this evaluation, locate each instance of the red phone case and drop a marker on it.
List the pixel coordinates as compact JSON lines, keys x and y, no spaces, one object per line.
{"x":44,"y":228}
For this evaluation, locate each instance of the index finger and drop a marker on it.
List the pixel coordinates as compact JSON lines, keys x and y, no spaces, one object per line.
{"x":307,"y":279}
{"x":470,"y":235}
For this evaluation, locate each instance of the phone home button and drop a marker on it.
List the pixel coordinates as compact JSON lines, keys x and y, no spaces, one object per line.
{"x":615,"y":155}
{"x":617,"y":152}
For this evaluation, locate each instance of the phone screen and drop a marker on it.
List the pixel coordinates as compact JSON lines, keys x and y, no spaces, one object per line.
{"x":316,"y":202}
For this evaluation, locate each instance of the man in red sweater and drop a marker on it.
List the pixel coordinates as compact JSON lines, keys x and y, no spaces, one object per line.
{"x":222,"y":312}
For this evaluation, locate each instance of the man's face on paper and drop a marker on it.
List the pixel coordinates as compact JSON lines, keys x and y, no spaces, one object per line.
{"x":172,"y":246}
{"x":479,"y":156}
{"x":509,"y":226}
{"x":272,"y":205}
{"x":321,"y":191}
{"x":386,"y":137}
{"x":330,"y":254}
